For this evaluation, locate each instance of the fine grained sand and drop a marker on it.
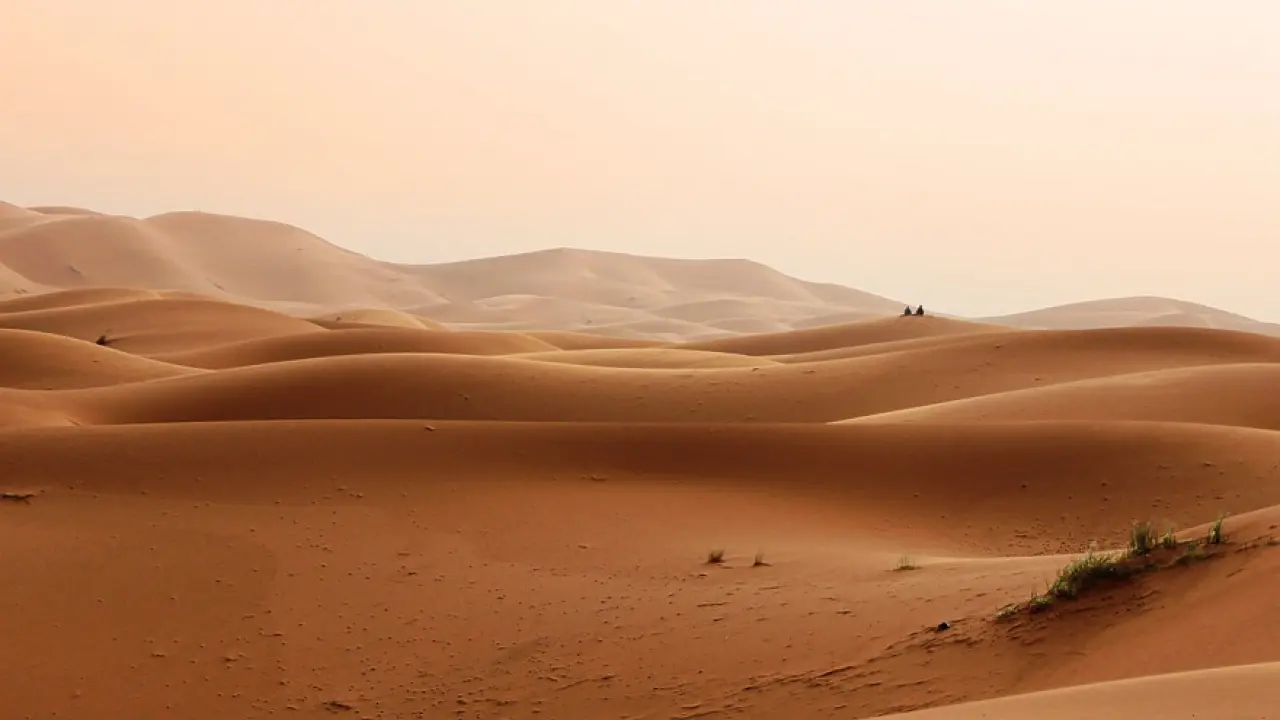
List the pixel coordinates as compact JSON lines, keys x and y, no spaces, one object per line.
{"x":229,"y":512}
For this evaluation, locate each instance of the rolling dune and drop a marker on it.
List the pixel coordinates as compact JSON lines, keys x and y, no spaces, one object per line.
{"x":650,"y":358}
{"x":841,"y":337}
{"x":1213,"y":395}
{"x":583,"y":341}
{"x":40,"y":361}
{"x":549,"y":568}
{"x":1235,"y":693}
{"x":389,"y":318}
{"x":368,"y":340}
{"x":157,"y":324}
{"x":431,"y":385}
{"x":280,"y":267}
{"x":247,"y":474}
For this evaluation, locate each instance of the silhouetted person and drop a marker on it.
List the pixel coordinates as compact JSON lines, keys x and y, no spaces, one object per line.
{"x":920,"y":311}
{"x":906,"y":312}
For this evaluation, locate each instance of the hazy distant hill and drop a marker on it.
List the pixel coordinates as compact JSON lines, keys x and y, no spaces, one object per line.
{"x":283,"y":267}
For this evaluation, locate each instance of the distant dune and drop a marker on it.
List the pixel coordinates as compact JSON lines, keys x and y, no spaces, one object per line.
{"x":247,"y":474}
{"x":1134,"y":311}
{"x":284,"y":268}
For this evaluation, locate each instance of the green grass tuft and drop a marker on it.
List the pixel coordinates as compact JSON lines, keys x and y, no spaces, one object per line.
{"x":1039,"y":603}
{"x":1085,"y":572}
{"x":1216,"y":535}
{"x":1142,"y":539}
{"x":1146,"y":551}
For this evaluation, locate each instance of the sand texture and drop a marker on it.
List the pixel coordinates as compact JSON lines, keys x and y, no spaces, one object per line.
{"x":265,"y":477}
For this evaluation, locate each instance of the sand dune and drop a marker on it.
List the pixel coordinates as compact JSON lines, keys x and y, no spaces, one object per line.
{"x":284,"y":268}
{"x":840,"y":337}
{"x":157,"y":324}
{"x":1213,"y":395}
{"x":247,"y":474}
{"x":398,"y":384}
{"x":74,"y":298}
{"x":651,"y":358}
{"x":274,"y":563}
{"x":62,"y":210}
{"x":214,"y":255}
{"x":1236,"y":693}
{"x":35,"y":360}
{"x":389,"y":318}
{"x":1135,"y":312}
{"x":360,"y":341}
{"x":583,"y":341}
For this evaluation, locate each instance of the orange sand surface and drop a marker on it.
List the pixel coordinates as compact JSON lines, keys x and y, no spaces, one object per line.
{"x":223,"y":508}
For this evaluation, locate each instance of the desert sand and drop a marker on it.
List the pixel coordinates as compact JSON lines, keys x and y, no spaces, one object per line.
{"x":248,"y":474}
{"x":614,"y":297}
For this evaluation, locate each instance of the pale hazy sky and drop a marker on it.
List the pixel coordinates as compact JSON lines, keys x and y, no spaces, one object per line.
{"x":980,"y":156}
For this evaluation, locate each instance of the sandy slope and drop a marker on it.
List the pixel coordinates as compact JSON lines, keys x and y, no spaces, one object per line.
{"x":1216,"y":395}
{"x":281,"y":267}
{"x":242,"y":569}
{"x":652,"y":358}
{"x":284,"y":268}
{"x":369,"y":340}
{"x":224,"y":511}
{"x":843,"y":336}
{"x":1245,"y":692}
{"x":41,"y":361}
{"x":343,"y":376}
{"x":1135,"y":311}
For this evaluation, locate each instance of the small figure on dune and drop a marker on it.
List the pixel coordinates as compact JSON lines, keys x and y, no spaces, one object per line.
{"x":907,"y":312}
{"x":920,"y":311}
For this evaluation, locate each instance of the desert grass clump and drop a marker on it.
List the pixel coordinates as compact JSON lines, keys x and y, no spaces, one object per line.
{"x":1142,"y":539}
{"x":1008,"y":611}
{"x":715,"y":557}
{"x":1085,"y":572}
{"x":1039,"y":603}
{"x":1146,"y":551}
{"x":906,"y":562}
{"x":1216,"y":536}
{"x":759,"y":561}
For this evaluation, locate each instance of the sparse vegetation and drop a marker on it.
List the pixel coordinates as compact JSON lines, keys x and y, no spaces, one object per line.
{"x":1037,"y":604}
{"x":1087,"y":571}
{"x":1216,"y":536}
{"x":715,"y":557}
{"x":906,"y":562}
{"x":1095,"y":568}
{"x":759,"y":561}
{"x":1142,"y":538}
